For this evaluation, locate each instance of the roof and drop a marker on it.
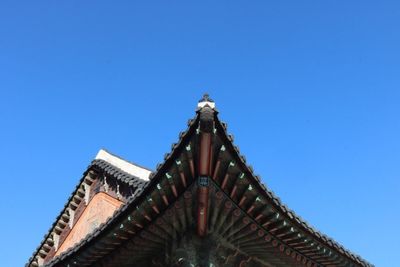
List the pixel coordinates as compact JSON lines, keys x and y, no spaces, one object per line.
{"x":106,"y":163}
{"x":145,"y":187}
{"x":124,"y":165}
{"x":132,"y":202}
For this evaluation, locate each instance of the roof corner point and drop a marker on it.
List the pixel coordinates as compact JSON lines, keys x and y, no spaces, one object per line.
{"x":206,"y":101}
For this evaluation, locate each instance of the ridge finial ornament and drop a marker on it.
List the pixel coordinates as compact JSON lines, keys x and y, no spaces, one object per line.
{"x":206,"y":98}
{"x":206,"y":101}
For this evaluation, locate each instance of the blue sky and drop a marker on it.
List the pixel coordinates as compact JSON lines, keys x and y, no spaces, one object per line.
{"x":310,"y":90}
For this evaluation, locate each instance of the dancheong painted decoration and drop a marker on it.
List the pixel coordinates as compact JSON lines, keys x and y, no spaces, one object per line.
{"x":202,"y":207}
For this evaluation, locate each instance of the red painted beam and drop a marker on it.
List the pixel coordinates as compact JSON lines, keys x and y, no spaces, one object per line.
{"x":205,"y":154}
{"x":203,"y":191}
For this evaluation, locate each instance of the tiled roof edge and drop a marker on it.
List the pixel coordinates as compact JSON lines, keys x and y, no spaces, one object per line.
{"x":288,"y":212}
{"x":116,"y":172}
{"x":128,"y":161}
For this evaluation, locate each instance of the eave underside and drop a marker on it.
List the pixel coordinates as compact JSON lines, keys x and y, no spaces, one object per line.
{"x":170,"y":239}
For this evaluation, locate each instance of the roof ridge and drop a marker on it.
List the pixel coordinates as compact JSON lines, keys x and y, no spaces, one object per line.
{"x":124,"y":165}
{"x":127,"y":161}
{"x":118,"y":172}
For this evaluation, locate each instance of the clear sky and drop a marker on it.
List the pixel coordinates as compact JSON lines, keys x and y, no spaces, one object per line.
{"x":310,"y":90}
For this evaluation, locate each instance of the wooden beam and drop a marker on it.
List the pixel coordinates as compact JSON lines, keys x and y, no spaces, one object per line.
{"x":203,"y":189}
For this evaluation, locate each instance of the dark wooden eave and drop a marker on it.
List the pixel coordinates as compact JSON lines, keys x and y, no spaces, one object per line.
{"x":264,"y":232}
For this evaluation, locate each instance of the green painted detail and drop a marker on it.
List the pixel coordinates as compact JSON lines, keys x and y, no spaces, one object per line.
{"x":129,"y":218}
{"x":178,"y":162}
{"x":250,"y":187}
{"x":203,"y":181}
{"x":188,"y":147}
{"x":223,"y":148}
{"x":258,"y":199}
{"x":277,"y":215}
{"x":241,"y":176}
{"x":158,"y":186}
{"x":168,"y":175}
{"x":231,"y":164}
{"x":121,"y":226}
